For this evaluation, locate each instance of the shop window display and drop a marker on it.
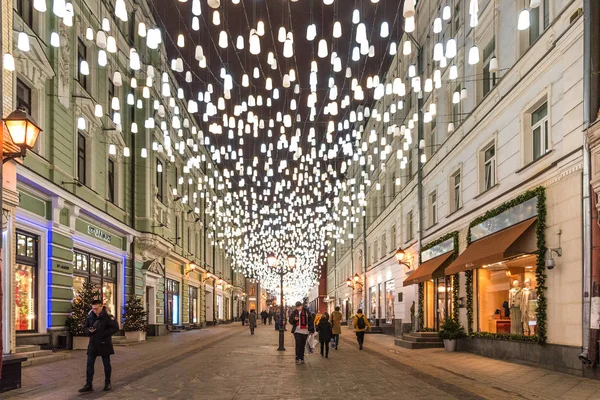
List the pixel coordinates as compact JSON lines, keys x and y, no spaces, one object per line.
{"x":507,"y":296}
{"x":99,"y":271}
{"x":25,"y":287}
{"x":373,"y":302}
{"x":390,"y":294}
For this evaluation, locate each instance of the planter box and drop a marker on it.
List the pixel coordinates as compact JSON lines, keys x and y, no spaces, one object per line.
{"x":137,"y":336}
{"x":450,"y":344}
{"x":11,"y":372}
{"x":80,"y":342}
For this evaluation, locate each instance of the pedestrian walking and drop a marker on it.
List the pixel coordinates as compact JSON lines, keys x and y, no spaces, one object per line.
{"x":336,"y":323}
{"x":99,"y":326}
{"x":271,"y":314}
{"x":243,"y":317}
{"x":361,"y":324}
{"x":325,"y":332}
{"x":252,"y":321}
{"x":302,"y":324}
{"x":264,"y":316}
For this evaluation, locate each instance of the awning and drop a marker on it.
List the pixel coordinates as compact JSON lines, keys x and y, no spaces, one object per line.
{"x":427,"y":269}
{"x":491,"y":249}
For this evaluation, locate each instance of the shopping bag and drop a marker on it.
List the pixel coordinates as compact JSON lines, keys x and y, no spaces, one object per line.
{"x":314,"y":340}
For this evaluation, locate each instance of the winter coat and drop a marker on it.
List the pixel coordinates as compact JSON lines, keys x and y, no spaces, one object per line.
{"x":324,"y":329}
{"x":294,"y":323}
{"x":252,"y":320}
{"x":264,"y":314}
{"x":355,"y":323}
{"x":101,"y":339}
{"x":336,"y":321}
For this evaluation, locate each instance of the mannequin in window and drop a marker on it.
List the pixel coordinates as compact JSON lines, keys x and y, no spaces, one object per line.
{"x":527,"y":304}
{"x":515,"y":299}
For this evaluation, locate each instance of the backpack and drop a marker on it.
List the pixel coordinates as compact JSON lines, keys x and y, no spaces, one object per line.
{"x":360,"y":322}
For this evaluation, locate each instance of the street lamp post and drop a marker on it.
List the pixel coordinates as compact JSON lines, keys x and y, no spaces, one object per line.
{"x":24,"y":133}
{"x":291,"y":263}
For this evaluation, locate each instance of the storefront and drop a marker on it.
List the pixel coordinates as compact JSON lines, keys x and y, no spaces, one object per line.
{"x":172,"y":302}
{"x":435,"y":288}
{"x":501,"y":262}
{"x":193,"y":305}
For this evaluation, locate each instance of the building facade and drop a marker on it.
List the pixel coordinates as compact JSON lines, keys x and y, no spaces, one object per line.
{"x":474,"y":170}
{"x":119,"y":189}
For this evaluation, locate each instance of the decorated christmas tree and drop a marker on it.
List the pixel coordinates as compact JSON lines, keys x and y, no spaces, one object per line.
{"x":134,"y":315}
{"x":81,"y":306}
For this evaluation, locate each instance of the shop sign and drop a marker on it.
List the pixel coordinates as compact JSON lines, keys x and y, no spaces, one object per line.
{"x":98,"y":233}
{"x":508,"y":218}
{"x":438,"y":250}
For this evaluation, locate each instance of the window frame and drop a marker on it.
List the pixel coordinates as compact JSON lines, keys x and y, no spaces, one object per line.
{"x":23,"y":6}
{"x":24,"y":103}
{"x":544,"y":139}
{"x":81,"y":152}
{"x":81,"y":56}
{"x":492,"y":77}
{"x":455,"y":203}
{"x":409,"y":226}
{"x":97,"y":278}
{"x":160,"y":181}
{"x":493,"y":161}
{"x":433,"y":211}
{"x":34,"y":263}
{"x":111,"y":183}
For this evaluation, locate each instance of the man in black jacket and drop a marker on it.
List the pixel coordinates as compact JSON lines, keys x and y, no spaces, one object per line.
{"x":302,"y":325}
{"x":99,"y":326}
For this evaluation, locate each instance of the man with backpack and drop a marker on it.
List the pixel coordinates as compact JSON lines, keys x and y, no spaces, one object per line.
{"x":361,"y":324}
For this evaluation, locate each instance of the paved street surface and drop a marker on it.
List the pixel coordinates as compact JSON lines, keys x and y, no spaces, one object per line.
{"x":225,"y":362}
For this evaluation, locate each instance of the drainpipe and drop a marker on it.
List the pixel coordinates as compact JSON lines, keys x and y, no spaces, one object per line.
{"x":132,"y":216}
{"x":364,"y":233}
{"x":591,"y":231}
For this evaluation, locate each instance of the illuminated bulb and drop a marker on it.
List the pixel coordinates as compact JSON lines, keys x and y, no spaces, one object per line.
{"x":494,"y":65}
{"x":134,"y":60}
{"x":126,"y":152}
{"x":327,"y":2}
{"x":463,"y":94}
{"x":438,"y":52}
{"x":216,"y":19}
{"x":311,"y":32}
{"x":121,"y":10}
{"x":288,"y":49}
{"x":393,"y":48}
{"x":214,"y":3}
{"x":473,"y":55}
{"x":337,"y":30}
{"x":446,"y":13}
{"x":98,"y":111}
{"x":102,"y":58}
{"x":180,"y":40}
{"x":355,"y":16}
{"x":254,"y":44}
{"x":281,"y":35}
{"x":84,"y":68}
{"x":409,"y":24}
{"x":437,"y":25}
{"x":142,"y":30}
{"x":40,"y":5}
{"x":323,"y":51}
{"x":111,"y":44}
{"x":89,"y":34}
{"x":81,"y":123}
{"x":239,"y":43}
{"x":54,"y":39}
{"x":412,"y":71}
{"x":260,"y":28}
{"x":451,"y":48}
{"x":105,"y":25}
{"x":523,"y":23}
{"x":59,"y":8}
{"x":428,"y":85}
{"x":196,"y":24}
{"x":23,"y":42}
{"x":144,"y":153}
{"x":196,"y":8}
{"x":456,"y":98}
{"x":361,"y":33}
{"x":223,"y":40}
{"x":453,"y":74}
{"x":112,"y":149}
{"x":407,"y":48}
{"x":385,"y":30}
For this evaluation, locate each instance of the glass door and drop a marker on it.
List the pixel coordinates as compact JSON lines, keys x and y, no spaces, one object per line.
{"x":26,"y":283}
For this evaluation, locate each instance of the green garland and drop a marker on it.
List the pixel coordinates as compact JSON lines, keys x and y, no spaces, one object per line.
{"x":455,"y":289}
{"x":469,"y":289}
{"x":421,"y":321}
{"x":540,"y":272}
{"x":505,"y":336}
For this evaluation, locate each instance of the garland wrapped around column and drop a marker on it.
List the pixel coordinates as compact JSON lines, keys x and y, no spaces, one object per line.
{"x":421,"y":320}
{"x":455,"y":289}
{"x":540,"y":271}
{"x":469,"y":287}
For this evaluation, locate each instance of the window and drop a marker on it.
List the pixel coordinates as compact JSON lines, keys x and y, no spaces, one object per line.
{"x":111,"y":94}
{"x":177,"y":229}
{"x":383,"y":246}
{"x":193,"y":304}
{"x":539,"y":131}
{"x":111,"y":180}
{"x":375,"y":249}
{"x":539,"y":20}
{"x":81,"y":159}
{"x":455,"y":192}
{"x":409,"y":163}
{"x":409,"y":226}
{"x":23,"y":96}
{"x":171,"y":302}
{"x":393,"y":237}
{"x":489,"y":78}
{"x":432,"y":136}
{"x":489,"y":167}
{"x":159,"y":181}
{"x":99,"y":271}
{"x":393,"y":185}
{"x":81,"y":56}
{"x":369,"y":254}
{"x":433,"y":208}
{"x":25,"y":10}
{"x":383,"y":198}
{"x":26,"y":272}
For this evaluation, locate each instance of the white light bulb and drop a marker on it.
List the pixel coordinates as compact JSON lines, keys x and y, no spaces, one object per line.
{"x":437,"y":25}
{"x":323,"y":50}
{"x":55,"y":39}
{"x":23,"y":42}
{"x":40,"y":5}
{"x":409,"y":25}
{"x":524,"y":20}
{"x":385,"y":30}
{"x":473,"y":55}
{"x":446,"y":13}
{"x":337,"y":30}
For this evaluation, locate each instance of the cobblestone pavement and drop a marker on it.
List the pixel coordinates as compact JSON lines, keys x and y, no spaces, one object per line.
{"x":225,"y":362}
